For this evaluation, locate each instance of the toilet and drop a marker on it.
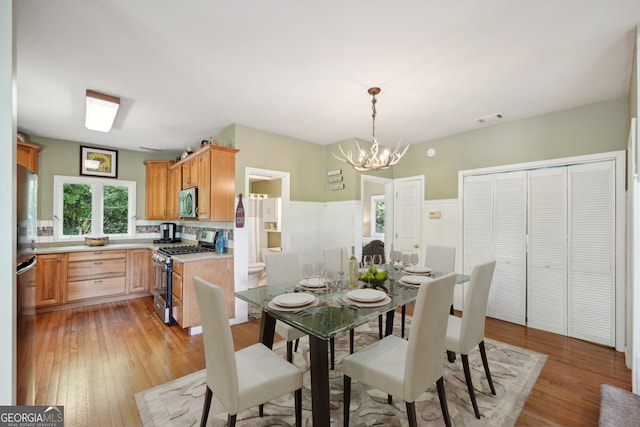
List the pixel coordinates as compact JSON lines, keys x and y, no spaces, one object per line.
{"x":257,"y":270}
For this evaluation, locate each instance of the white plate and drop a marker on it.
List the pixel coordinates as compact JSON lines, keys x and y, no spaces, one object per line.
{"x":366,"y":295}
{"x":384,"y":301}
{"x":314,"y":282}
{"x":416,"y":280}
{"x":295,"y":299}
{"x":273,"y":306}
{"x":417,"y":270}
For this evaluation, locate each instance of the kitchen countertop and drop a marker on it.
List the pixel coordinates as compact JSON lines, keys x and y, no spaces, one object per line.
{"x":53,"y":248}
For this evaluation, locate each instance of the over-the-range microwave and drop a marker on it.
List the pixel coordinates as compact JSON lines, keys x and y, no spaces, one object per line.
{"x":188,"y":203}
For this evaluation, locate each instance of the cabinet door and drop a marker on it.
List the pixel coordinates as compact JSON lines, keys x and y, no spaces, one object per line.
{"x":547,"y":258}
{"x":204,"y":185}
{"x":138,"y":261}
{"x":176,"y":298}
{"x":223,"y":173}
{"x":190,"y":173}
{"x":591,"y":278}
{"x":174,"y":181}
{"x":50,"y":274}
{"x":478,"y":221}
{"x":509,"y":288}
{"x":156,"y":189}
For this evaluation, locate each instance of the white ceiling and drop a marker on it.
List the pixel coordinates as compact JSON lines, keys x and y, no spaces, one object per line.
{"x":185,"y":70}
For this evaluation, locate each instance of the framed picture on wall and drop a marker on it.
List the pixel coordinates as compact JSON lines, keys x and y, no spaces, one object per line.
{"x":98,"y":162}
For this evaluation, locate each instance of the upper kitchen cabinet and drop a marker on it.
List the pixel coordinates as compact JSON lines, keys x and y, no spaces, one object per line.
{"x":27,"y":155}
{"x":158,"y":195}
{"x":174,"y":182}
{"x":212,"y":170}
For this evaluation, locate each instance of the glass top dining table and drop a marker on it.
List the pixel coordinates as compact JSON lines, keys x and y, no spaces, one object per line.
{"x":327,"y":317}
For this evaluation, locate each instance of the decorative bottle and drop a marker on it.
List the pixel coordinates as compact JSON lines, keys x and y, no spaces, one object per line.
{"x":240,"y":213}
{"x":353,"y":269}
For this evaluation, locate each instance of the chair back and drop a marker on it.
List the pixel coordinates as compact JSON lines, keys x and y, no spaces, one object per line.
{"x":374,"y":247}
{"x":219,"y":353}
{"x":332,"y":257}
{"x":440,"y":258}
{"x":282,"y":267}
{"x":424,"y":360}
{"x":475,"y":306}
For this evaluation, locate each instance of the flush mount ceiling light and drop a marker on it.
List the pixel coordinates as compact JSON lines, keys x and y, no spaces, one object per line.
{"x":101,"y":111}
{"x":376,"y":157}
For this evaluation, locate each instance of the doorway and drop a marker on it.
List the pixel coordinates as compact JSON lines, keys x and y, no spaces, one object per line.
{"x":377,"y":210}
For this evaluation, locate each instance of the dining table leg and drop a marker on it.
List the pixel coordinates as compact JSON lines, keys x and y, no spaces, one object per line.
{"x":319,"y":381}
{"x":267,"y":329}
{"x":389,"y":326}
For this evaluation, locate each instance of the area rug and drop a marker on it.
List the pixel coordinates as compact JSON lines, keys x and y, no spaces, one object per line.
{"x":514,"y":371}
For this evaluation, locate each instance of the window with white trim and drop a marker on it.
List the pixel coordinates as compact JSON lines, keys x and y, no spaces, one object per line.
{"x":377,"y":216}
{"x":93,"y":206}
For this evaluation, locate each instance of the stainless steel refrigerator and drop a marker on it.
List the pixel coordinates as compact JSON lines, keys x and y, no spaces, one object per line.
{"x":26,"y":232}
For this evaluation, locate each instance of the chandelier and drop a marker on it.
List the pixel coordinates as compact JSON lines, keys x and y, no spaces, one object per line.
{"x":376,"y":157}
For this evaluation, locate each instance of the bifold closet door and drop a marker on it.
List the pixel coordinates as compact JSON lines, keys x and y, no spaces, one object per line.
{"x":508,"y":292}
{"x":547,"y":257}
{"x":591,"y":261}
{"x":477,"y":222}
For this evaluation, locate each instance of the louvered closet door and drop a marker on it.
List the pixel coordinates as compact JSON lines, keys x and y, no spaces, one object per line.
{"x":547,"y":257}
{"x":509,"y":291}
{"x":478,"y":221}
{"x":591,"y":263}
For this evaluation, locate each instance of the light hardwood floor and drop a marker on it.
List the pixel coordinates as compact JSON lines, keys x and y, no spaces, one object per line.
{"x":94,"y":359}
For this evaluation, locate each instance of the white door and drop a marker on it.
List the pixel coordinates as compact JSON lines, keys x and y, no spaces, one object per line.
{"x":409,"y":193}
{"x":477,"y":212}
{"x":509,"y":289}
{"x":547,"y":258}
{"x":591,"y":278}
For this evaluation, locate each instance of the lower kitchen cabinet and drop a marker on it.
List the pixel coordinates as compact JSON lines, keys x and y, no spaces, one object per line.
{"x":50,"y":275}
{"x":95,"y":274}
{"x":218,"y":271}
{"x":139,"y":268}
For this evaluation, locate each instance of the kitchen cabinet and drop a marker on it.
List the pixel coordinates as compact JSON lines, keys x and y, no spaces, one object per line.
{"x":204,"y":182}
{"x":157,"y":190}
{"x":174,"y":182}
{"x":271,"y":213}
{"x":27,"y":155}
{"x":50,"y":275}
{"x":217,"y":270}
{"x":95,"y":274}
{"x":139,"y":267}
{"x":190,"y":171}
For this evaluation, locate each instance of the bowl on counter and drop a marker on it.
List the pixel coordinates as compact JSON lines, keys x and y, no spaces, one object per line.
{"x":96,"y":241}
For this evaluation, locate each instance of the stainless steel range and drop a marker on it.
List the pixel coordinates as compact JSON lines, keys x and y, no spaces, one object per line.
{"x":163,"y":262}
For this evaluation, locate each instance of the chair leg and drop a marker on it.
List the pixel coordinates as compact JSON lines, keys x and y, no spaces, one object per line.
{"x":332,"y":351}
{"x":298,"y":402}
{"x":404,"y":314}
{"x":380,"y":326}
{"x":389,"y":399}
{"x":467,"y":376}
{"x":451,"y":356}
{"x":411,"y":414}
{"x":297,"y":342}
{"x":443,"y":402}
{"x":207,"y":406}
{"x":289,"y":351}
{"x":231,"y":421}
{"x":351,"y":340}
{"x":346,"y":400}
{"x":485,"y":362}
{"x":261,"y":410}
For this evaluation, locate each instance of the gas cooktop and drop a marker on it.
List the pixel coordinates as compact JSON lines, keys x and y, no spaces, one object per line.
{"x":185,"y":249}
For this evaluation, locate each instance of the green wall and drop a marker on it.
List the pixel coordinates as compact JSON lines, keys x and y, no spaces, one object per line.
{"x":265,"y":150}
{"x":594,"y":128}
{"x":60,"y":157}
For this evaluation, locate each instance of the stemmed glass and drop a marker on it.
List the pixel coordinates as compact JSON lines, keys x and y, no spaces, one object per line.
{"x":367,"y":261}
{"x":377,"y":260}
{"x":397,"y":257}
{"x":415,"y":259}
{"x":307,"y":270}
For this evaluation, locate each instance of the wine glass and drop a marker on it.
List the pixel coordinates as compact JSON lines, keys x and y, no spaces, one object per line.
{"x":307,"y":270}
{"x":415,"y":259}
{"x":367,"y":261}
{"x":406,"y":259}
{"x":397,"y":256}
{"x":377,"y":260}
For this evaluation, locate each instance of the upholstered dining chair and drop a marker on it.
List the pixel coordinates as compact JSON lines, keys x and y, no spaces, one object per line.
{"x":463,"y":334}
{"x":375,"y":247}
{"x":249,"y":377}
{"x":402,"y":368}
{"x":284,"y":268}
{"x":438,"y":258}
